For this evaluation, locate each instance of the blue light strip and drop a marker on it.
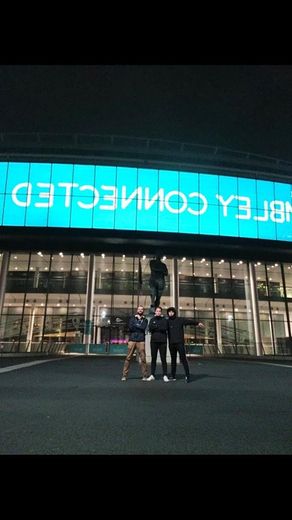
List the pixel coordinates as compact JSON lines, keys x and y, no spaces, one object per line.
{"x":138,"y":199}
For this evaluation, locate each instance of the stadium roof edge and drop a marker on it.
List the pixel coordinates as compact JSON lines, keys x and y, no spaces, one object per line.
{"x":147,"y":152}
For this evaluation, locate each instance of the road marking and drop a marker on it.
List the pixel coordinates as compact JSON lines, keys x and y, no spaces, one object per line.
{"x":24,"y":365}
{"x":274,"y":364}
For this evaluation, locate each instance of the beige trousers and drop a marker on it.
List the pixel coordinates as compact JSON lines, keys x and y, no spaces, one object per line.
{"x":132,"y":346}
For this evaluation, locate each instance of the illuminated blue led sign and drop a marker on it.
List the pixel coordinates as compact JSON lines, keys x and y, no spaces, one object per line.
{"x":138,"y":199}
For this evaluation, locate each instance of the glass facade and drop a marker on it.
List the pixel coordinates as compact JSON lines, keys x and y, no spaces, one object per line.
{"x":46,"y":294}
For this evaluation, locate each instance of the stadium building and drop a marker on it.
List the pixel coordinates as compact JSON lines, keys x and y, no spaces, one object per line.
{"x":81,"y":217}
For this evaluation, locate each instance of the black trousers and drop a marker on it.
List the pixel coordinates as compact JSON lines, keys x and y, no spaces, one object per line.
{"x":161,"y":346}
{"x":175,"y":348}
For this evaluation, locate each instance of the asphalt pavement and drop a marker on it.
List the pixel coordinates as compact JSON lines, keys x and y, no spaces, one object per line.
{"x":80,"y":406}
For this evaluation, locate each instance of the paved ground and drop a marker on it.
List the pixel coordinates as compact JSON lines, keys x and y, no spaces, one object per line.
{"x":78,"y":405}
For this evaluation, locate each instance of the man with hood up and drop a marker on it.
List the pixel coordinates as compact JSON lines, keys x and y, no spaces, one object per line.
{"x":177,"y":342}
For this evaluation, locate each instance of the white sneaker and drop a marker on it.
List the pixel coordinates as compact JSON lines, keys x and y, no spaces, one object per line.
{"x":144,"y":379}
{"x":150,"y":378}
{"x":165,"y":379}
{"x":124,"y":379}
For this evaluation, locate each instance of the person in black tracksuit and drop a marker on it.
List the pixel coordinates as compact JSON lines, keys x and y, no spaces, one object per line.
{"x":158,"y":330}
{"x":176,"y":340}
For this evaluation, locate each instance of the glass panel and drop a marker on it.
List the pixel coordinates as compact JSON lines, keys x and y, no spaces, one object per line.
{"x":275,"y":282}
{"x":56,"y":318}
{"x":75,"y":318}
{"x":222,"y":278}
{"x":244,"y":328}
{"x":17,"y":273}
{"x":225,"y":326}
{"x":280,"y":327}
{"x":206,"y":336}
{"x":240,"y":285}
{"x":38,"y":272}
{"x":33,"y":320}
{"x":103,"y":274}
{"x":202,"y":284}
{"x":59,"y":280}
{"x":78,"y":275}
{"x":187,"y":281}
{"x":266,"y":328}
{"x":261,"y":280}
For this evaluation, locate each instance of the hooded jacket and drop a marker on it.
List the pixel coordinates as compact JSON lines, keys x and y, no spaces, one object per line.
{"x":176,"y":328}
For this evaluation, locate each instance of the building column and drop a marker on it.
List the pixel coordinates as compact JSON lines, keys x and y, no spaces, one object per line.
{"x":218,"y":331}
{"x":175,"y":295}
{"x":289,"y":331}
{"x":30,"y":329}
{"x":174,"y":285}
{"x":3,"y":278}
{"x":89,"y":303}
{"x":255,"y":308}
{"x":148,"y":350}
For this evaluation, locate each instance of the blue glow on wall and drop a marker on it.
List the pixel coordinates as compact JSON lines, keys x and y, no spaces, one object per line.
{"x":108,"y":197}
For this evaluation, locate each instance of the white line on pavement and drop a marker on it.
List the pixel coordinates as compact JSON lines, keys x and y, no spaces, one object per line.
{"x":273,"y":364}
{"x":24,"y":365}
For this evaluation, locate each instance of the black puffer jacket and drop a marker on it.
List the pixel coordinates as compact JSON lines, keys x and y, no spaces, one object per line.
{"x":176,"y":328}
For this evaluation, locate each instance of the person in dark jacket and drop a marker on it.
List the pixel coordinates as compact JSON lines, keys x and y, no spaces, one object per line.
{"x":176,"y":340}
{"x":158,"y":342}
{"x":137,"y":328}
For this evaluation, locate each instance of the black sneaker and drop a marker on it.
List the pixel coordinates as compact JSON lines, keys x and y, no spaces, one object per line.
{"x":172,"y":378}
{"x":188,"y":379}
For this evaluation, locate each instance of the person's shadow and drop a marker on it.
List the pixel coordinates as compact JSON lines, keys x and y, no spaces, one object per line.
{"x":196,"y":377}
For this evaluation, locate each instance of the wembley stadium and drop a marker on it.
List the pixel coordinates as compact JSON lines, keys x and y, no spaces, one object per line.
{"x":83,"y":215}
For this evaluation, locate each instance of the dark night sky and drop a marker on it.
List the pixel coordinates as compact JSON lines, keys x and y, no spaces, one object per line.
{"x":242,"y":107}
